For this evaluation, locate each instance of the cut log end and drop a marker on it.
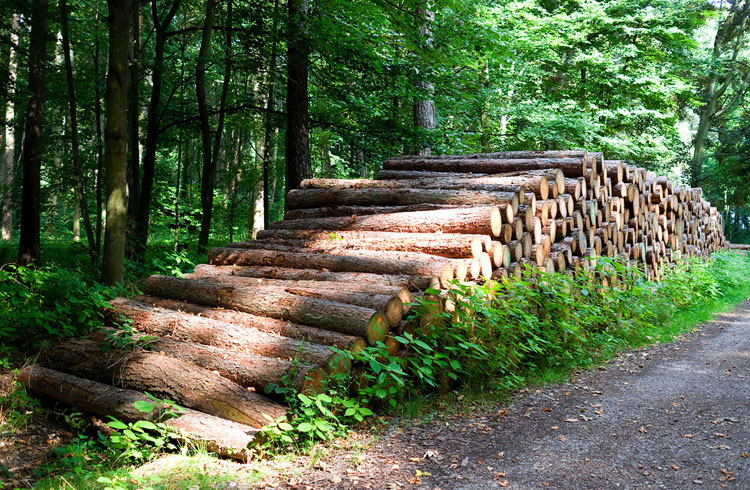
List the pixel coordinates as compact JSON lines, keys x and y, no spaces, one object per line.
{"x":378,"y":328}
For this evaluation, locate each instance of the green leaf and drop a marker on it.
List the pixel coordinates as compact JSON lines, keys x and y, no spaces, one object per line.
{"x":143,"y":406}
{"x":116,"y":424}
{"x":304,"y":427}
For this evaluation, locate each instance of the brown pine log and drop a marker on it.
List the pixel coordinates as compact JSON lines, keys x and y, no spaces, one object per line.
{"x":341,"y":261}
{"x":452,"y":245}
{"x":315,"y":198}
{"x":513,"y":154}
{"x":306,"y":333}
{"x":284,"y":273}
{"x":164,"y":377}
{"x":334,"y":211}
{"x":571,"y":167}
{"x":184,"y":327}
{"x":387,"y":301}
{"x":349,"y":319}
{"x":216,"y":434}
{"x":244,"y":368}
{"x":479,"y":220}
{"x":421,"y":182}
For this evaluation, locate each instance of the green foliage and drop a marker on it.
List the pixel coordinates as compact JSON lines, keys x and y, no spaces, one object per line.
{"x":42,"y":304}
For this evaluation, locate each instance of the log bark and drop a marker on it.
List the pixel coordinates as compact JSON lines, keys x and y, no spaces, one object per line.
{"x":415,"y":180}
{"x":353,"y":320}
{"x":164,"y":377}
{"x":343,"y":261}
{"x":264,"y":324}
{"x":332,"y":211}
{"x":512,"y":154}
{"x":189,"y":328}
{"x":244,"y":368}
{"x":314,"y":198}
{"x":387,"y":301}
{"x":218,"y":435}
{"x":284,"y":273}
{"x":480,"y":220}
{"x":571,"y":167}
{"x":451,"y":245}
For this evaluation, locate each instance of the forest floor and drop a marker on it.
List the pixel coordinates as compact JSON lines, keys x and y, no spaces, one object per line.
{"x":674,"y":415}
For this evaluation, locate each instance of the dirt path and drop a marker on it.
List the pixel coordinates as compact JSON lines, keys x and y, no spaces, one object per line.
{"x":673,"y":416}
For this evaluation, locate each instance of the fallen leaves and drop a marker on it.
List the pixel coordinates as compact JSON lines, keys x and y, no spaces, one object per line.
{"x":554,"y":427}
{"x":572,"y":421}
{"x":688,"y":436}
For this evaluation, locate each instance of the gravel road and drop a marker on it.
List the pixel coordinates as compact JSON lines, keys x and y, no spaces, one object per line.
{"x":674,"y":416}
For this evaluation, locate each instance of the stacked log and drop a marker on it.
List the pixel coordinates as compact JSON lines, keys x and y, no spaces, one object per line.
{"x":341,"y":271}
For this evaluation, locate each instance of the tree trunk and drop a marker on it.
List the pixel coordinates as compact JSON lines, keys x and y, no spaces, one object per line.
{"x":571,"y":167}
{"x":298,"y":165}
{"x":328,"y":212}
{"x":113,"y":267}
{"x":404,"y":196}
{"x":424,"y":109}
{"x":82,"y":205}
{"x":244,"y":368}
{"x":284,"y":273}
{"x":185,"y":327}
{"x":164,"y":377}
{"x":341,"y":261}
{"x":152,"y":126}
{"x":452,"y":245}
{"x":352,"y":320}
{"x":478,"y":220}
{"x":29,"y":247}
{"x":264,"y":324}
{"x":224,"y":437}
{"x":134,"y":113}
{"x":8,"y":171}
{"x":267,"y":119}
{"x":99,"y":149}
{"x":208,"y":174}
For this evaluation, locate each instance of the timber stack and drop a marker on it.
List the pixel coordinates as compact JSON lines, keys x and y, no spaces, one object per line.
{"x":341,"y":271}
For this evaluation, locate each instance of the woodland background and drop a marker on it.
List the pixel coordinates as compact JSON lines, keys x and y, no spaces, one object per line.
{"x":221,"y":89}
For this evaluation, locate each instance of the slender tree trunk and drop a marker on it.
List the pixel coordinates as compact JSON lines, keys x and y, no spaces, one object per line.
{"x":82,"y":206}
{"x":134,"y":112}
{"x":152,"y":126}
{"x":208,"y":182}
{"x":113,"y":267}
{"x":77,"y":223}
{"x":424,"y":109}
{"x":297,"y":99}
{"x":99,"y":150}
{"x":325,"y":155}
{"x":29,"y":248}
{"x":209,"y":169}
{"x":268,"y":121}
{"x":6,"y":218}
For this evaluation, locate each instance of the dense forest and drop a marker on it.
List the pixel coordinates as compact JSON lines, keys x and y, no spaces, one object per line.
{"x":177,"y":123}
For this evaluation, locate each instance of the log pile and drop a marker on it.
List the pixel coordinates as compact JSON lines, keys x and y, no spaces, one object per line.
{"x":341,"y":271}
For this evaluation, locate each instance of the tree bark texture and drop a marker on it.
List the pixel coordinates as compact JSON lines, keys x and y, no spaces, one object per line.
{"x":224,"y":437}
{"x":116,"y":139}
{"x":571,"y":167}
{"x":7,"y":171}
{"x":164,"y":377}
{"x":29,"y":247}
{"x":298,"y":165}
{"x":208,"y":173}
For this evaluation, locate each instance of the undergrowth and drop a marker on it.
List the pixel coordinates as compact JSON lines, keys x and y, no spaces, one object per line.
{"x":490,"y":340}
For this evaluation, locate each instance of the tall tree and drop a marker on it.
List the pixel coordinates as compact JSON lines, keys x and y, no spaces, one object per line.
{"x":7,"y":169}
{"x":152,"y":125}
{"x":727,"y":81}
{"x":424,"y":108}
{"x":29,"y":247}
{"x":298,"y":166}
{"x":134,"y":116}
{"x":80,"y":193}
{"x":268,"y":117}
{"x":209,"y":167}
{"x":116,"y":141}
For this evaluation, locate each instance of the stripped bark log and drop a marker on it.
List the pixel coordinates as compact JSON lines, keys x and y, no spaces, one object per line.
{"x":163,"y":377}
{"x":349,"y":319}
{"x":218,"y":435}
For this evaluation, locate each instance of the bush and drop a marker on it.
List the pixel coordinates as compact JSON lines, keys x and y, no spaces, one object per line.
{"x":46,"y":303}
